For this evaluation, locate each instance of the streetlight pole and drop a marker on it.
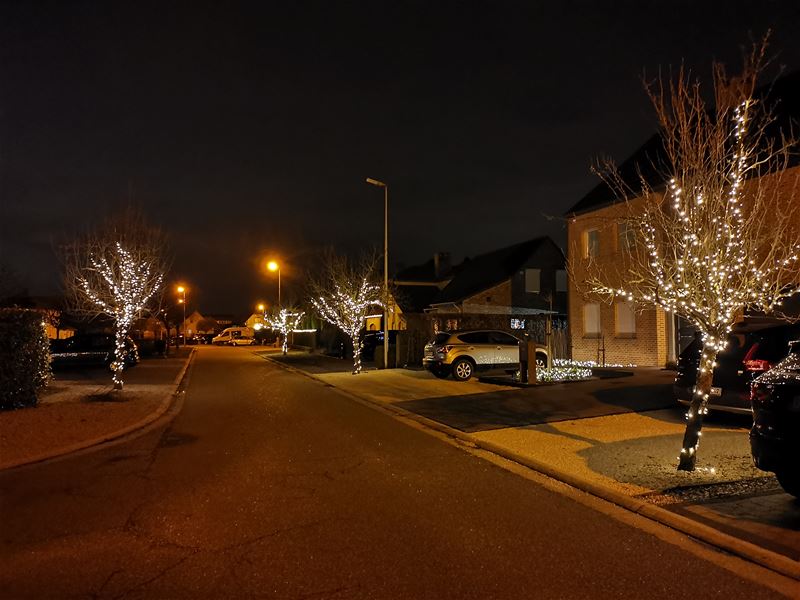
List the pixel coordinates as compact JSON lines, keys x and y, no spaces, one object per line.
{"x":385,"y":187}
{"x":182,"y":290}
{"x":274,"y":266}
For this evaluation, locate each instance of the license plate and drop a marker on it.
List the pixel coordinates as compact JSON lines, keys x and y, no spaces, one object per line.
{"x":715,"y":391}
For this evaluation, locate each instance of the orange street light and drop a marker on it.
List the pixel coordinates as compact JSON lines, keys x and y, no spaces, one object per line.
{"x":274,"y":266}
{"x":182,"y":300}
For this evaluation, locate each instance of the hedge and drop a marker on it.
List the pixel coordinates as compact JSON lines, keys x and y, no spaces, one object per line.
{"x":24,"y":357}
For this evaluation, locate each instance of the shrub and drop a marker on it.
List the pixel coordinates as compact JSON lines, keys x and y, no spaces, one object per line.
{"x":24,"y":357}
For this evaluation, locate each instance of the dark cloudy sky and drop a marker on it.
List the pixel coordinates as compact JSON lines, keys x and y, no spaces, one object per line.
{"x":247,"y":129}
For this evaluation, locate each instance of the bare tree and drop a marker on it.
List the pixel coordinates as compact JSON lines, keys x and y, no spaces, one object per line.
{"x":116,"y":270}
{"x":285,"y":321}
{"x":721,"y":237}
{"x":344,"y":295}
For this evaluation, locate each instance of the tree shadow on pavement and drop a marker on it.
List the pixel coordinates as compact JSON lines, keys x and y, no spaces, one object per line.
{"x":546,"y":404}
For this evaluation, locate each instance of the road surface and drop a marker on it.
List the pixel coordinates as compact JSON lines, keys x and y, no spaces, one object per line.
{"x":270,"y":485}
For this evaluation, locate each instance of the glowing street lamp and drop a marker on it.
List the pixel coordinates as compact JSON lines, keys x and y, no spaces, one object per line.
{"x":263,"y":308}
{"x":182,"y":300}
{"x":385,"y":187}
{"x":274,"y":266}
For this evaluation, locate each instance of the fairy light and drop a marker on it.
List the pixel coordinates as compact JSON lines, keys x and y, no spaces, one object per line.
{"x":285,"y":321}
{"x":702,"y":259}
{"x":347,"y":309}
{"x":124,"y":286}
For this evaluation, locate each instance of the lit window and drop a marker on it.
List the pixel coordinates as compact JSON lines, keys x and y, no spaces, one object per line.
{"x":592,"y":243}
{"x":591,"y":320}
{"x":452,"y":324}
{"x":517,"y":323}
{"x":533,"y":280}
{"x":625,"y":318}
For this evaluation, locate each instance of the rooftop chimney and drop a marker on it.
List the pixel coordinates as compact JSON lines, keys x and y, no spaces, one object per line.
{"x":441,"y":265}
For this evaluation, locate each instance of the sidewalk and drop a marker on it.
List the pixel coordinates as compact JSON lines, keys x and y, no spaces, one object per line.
{"x":78,"y":410}
{"x":616,"y":438}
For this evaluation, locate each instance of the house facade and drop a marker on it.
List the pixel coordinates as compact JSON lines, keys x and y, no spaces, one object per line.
{"x":520,"y":288}
{"x":621,"y":332}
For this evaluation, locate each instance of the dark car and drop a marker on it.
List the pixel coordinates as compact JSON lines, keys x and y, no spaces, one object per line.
{"x":775,"y":435}
{"x":372,"y":340}
{"x":86,"y":350}
{"x":753,"y":348}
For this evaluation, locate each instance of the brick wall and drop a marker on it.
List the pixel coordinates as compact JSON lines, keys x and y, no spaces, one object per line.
{"x":649,"y":346}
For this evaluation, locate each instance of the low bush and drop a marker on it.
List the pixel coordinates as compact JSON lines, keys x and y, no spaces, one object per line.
{"x":24,"y":357}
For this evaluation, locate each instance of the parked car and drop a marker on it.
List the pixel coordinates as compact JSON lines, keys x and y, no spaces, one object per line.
{"x":775,"y":435}
{"x":95,"y":349}
{"x":235,"y":336}
{"x":463,"y":353}
{"x":372,"y":340}
{"x":752,"y":350}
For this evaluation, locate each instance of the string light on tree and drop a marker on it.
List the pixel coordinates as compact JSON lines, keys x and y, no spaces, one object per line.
{"x":285,"y":321}
{"x":120,"y":285}
{"x":720,"y":239}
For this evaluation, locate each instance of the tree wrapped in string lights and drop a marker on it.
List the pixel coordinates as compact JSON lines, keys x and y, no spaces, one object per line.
{"x":285,"y":321}
{"x":722,"y":237}
{"x":344,"y":295}
{"x":116,"y":271}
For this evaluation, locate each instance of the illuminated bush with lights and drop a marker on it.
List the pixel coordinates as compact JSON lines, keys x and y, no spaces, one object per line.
{"x":24,"y":358}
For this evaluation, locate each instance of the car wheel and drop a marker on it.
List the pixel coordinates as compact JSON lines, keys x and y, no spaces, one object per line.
{"x":790,"y":481}
{"x":440,"y":371}
{"x":463,"y":369}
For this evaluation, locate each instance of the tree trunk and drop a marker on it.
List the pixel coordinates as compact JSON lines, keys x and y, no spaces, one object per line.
{"x":118,"y":366}
{"x":697,"y":410}
{"x":356,"y":354}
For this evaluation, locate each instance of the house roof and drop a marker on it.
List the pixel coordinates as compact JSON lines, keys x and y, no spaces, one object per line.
{"x":424,"y":272}
{"x":414,"y":298}
{"x":487,"y":270}
{"x":649,"y":161}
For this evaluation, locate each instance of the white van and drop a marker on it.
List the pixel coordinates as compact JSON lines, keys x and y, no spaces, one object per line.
{"x":235,"y":336}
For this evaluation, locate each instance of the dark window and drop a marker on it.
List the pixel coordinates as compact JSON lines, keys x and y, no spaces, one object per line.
{"x":475,"y":337}
{"x":441,"y":338}
{"x":504,"y":339}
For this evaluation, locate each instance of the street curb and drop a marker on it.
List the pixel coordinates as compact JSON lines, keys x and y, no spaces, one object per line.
{"x":162,"y":408}
{"x":771,"y":560}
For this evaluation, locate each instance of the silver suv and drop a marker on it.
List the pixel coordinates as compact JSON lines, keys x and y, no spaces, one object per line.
{"x":463,"y":353}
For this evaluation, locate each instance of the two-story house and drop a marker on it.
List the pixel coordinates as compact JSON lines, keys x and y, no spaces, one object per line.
{"x":621,"y":332}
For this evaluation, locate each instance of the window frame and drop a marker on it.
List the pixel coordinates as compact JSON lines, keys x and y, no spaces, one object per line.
{"x":631,"y":318}
{"x":538,"y":274}
{"x":587,"y":246}
{"x":592,"y":334}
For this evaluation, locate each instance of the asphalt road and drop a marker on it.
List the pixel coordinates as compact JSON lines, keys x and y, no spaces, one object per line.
{"x":268,"y":484}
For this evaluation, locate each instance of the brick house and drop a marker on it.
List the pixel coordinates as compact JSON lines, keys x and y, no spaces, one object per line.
{"x":621,"y":332}
{"x":513,"y":289}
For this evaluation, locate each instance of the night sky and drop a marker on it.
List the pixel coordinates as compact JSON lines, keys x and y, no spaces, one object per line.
{"x":247,"y":130}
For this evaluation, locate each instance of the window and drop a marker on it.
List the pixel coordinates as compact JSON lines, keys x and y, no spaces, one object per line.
{"x":517,"y":323}
{"x":561,"y":280}
{"x":533,"y":280}
{"x":625,"y":319}
{"x":503,"y":339}
{"x":592,"y":248}
{"x":475,"y":337}
{"x":626,"y":236}
{"x":452,"y":324}
{"x":591,"y":320}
